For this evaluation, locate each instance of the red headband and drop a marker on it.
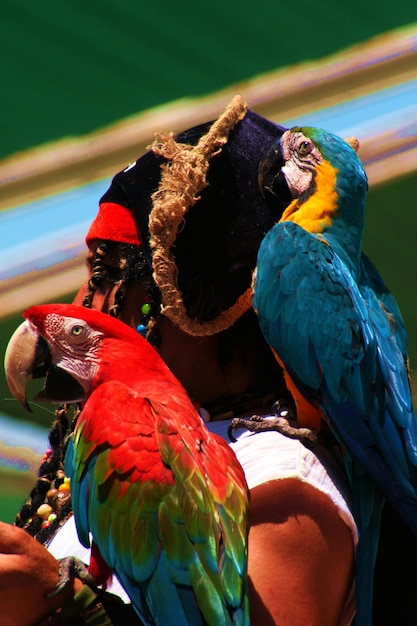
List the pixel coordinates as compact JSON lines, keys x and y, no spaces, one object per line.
{"x":114,"y":222}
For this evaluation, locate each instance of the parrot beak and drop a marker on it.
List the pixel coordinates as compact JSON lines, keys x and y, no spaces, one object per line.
{"x":28,"y":357}
{"x":271,"y":180}
{"x":25,"y":353}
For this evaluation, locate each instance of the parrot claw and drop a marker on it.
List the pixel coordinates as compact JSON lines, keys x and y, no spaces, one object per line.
{"x":68,"y":568}
{"x":281,"y":423}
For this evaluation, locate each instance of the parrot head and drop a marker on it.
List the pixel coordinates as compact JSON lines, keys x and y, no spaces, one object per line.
{"x":63,"y":344}
{"x":322,"y":174}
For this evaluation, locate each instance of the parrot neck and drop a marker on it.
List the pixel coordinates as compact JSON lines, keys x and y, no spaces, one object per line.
{"x":345,"y":233}
{"x":314,"y":210}
{"x":133,"y":363}
{"x":333,"y":208}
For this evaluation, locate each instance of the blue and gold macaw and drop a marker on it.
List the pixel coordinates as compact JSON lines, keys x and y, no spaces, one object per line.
{"x":337,"y":331}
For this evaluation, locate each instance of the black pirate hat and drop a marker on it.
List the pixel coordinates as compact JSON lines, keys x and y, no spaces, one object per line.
{"x":199,"y":214}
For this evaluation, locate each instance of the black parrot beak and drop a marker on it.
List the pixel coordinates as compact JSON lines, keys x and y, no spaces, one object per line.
{"x":28,"y":357}
{"x":271,"y":180}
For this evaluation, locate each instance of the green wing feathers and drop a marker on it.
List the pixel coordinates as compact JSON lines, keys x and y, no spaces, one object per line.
{"x":163,"y":482}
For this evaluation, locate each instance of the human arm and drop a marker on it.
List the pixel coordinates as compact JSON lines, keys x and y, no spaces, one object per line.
{"x":28,"y":572}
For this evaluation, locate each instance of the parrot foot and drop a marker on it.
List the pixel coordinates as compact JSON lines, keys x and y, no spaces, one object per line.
{"x":68,"y":568}
{"x":281,"y":423}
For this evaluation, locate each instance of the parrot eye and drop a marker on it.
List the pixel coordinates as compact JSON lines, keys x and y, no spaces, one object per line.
{"x":305,"y":147}
{"x":77,"y":330}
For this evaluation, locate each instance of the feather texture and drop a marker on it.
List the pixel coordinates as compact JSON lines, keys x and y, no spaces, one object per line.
{"x":164,"y":500}
{"x":338,"y":332}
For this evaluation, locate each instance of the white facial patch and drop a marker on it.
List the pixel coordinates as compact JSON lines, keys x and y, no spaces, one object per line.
{"x":301,"y":158}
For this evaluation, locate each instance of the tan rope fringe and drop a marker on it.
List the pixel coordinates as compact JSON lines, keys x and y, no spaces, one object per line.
{"x":182,"y":180}
{"x":353,"y":142}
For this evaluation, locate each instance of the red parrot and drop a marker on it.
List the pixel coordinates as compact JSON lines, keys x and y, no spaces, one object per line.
{"x":164,"y":500}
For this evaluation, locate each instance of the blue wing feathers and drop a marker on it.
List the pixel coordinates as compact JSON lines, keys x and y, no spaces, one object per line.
{"x":343,"y":336}
{"x":79,"y":495}
{"x":338,"y":332}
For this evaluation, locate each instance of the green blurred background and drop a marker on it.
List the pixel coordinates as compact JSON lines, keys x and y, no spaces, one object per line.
{"x":70,"y":68}
{"x":74,"y":66}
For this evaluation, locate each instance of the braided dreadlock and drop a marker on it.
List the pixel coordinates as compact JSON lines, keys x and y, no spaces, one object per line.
{"x":48,"y":490}
{"x":49,"y":502}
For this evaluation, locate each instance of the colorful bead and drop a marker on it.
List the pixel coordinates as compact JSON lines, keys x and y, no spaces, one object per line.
{"x":47,"y":454}
{"x":51,"y":495}
{"x":44,"y":511}
{"x":52,"y":517}
{"x":141,"y":329}
{"x":146,"y":312}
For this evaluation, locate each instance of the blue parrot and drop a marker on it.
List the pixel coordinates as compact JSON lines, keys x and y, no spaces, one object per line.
{"x":337,"y":331}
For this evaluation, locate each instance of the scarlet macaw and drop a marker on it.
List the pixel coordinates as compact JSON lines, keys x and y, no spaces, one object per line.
{"x":337,"y":331}
{"x":165,"y":501}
